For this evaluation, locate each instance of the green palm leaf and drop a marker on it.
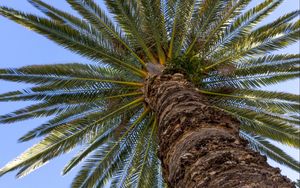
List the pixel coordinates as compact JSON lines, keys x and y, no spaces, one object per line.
{"x":55,"y":74}
{"x":96,"y":170}
{"x":206,"y":14}
{"x":124,"y":173}
{"x":128,"y":14}
{"x":275,"y":153}
{"x":219,"y":13}
{"x":244,"y":23}
{"x":155,"y":24}
{"x":273,"y":102}
{"x":183,"y":13}
{"x":64,"y":17}
{"x":34,"y":111}
{"x":69,"y":38}
{"x":68,"y":136}
{"x":69,"y":116}
{"x":260,"y":124}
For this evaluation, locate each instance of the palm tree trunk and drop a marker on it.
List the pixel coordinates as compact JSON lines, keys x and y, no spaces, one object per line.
{"x":199,"y":145}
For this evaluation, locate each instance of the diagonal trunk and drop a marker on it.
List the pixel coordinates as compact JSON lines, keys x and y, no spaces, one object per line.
{"x":200,"y":146}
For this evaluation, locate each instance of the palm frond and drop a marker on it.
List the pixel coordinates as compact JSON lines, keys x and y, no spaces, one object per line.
{"x":124,"y":175}
{"x":64,"y":138}
{"x":34,"y":111}
{"x":244,"y":23}
{"x":155,"y":24}
{"x":259,"y":48}
{"x":260,"y":124}
{"x":57,"y":102}
{"x":128,"y":15}
{"x":280,"y":21}
{"x":260,"y":31}
{"x":273,"y":102}
{"x":181,"y":22}
{"x":105,"y":135}
{"x":98,"y":166}
{"x":250,"y":81}
{"x":206,"y":14}
{"x":270,"y":150}
{"x":144,"y":171}
{"x":70,"y":38}
{"x":65,"y":18}
{"x":69,"y":116}
{"x":59,"y":141}
{"x":214,"y":22}
{"x":56,"y":74}
{"x":69,"y":96}
{"x":268,"y":63}
{"x":97,"y":17}
{"x":168,"y":9}
{"x":259,"y":95}
{"x":259,"y":42}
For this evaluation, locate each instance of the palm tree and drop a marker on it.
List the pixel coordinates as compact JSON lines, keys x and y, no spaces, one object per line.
{"x":173,"y":98}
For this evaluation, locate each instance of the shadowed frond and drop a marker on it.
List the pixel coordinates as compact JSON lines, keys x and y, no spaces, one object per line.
{"x":205,"y":14}
{"x":97,"y":17}
{"x":124,"y":173}
{"x":129,"y":16}
{"x":149,"y":163}
{"x":95,"y":143}
{"x":100,"y":166}
{"x":155,"y":24}
{"x":181,"y":23}
{"x":214,"y":16}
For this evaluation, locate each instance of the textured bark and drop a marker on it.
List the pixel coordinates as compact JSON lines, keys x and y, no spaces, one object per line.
{"x":199,"y":146}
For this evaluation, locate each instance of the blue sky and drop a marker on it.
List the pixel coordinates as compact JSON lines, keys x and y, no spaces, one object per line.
{"x":19,"y":47}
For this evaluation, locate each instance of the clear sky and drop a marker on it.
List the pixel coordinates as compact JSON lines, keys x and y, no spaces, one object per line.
{"x":20,"y":47}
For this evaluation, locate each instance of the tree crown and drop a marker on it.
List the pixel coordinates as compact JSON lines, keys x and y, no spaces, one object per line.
{"x":100,"y":106}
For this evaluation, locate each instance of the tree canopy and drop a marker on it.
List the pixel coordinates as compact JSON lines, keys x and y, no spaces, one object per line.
{"x":100,"y":107}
